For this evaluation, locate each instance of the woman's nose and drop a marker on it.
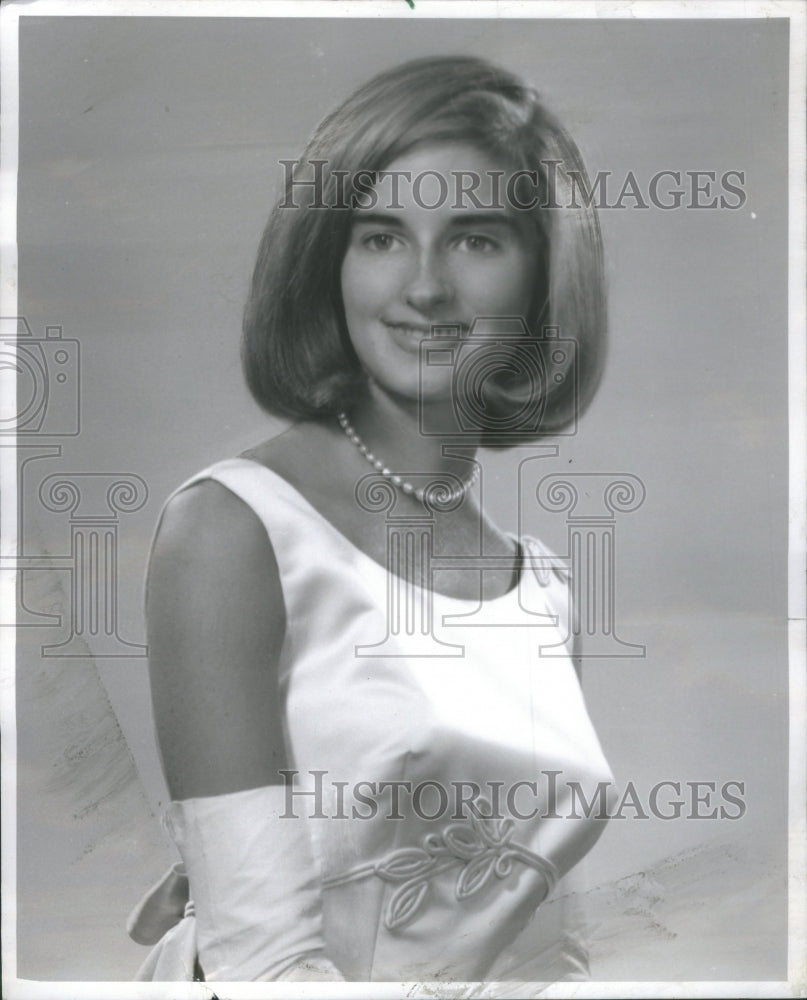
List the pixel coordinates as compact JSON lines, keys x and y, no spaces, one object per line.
{"x":428,"y":285}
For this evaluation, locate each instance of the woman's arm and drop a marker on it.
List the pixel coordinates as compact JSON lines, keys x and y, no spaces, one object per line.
{"x":216,"y":622}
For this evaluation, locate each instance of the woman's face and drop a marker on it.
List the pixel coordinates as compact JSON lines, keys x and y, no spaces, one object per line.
{"x":409,"y":266}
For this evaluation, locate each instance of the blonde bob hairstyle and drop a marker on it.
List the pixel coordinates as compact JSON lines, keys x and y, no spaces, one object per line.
{"x":296,"y":352}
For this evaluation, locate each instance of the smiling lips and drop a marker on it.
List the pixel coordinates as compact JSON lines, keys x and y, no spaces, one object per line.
{"x":419,"y":330}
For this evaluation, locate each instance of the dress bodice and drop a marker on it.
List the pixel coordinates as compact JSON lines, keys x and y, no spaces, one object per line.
{"x":433,"y":740}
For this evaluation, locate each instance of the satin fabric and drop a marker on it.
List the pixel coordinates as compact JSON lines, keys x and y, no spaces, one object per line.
{"x":406,"y":896}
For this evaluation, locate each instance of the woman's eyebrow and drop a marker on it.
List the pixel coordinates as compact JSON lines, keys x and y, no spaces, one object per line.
{"x":486,"y":218}
{"x":458,"y":219}
{"x":377,"y":219}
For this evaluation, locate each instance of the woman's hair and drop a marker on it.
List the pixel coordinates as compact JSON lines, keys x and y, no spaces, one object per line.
{"x":296,"y":351}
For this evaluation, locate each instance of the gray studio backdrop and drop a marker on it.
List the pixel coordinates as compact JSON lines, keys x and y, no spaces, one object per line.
{"x":149,"y":153}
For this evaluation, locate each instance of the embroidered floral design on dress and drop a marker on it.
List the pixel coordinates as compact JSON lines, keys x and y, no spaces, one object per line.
{"x":482,"y":848}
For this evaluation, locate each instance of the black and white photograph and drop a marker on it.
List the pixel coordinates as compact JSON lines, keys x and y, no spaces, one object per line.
{"x":403,"y":499}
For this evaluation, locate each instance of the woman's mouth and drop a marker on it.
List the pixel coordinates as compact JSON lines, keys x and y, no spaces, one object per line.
{"x":407,"y":335}
{"x":417,"y":331}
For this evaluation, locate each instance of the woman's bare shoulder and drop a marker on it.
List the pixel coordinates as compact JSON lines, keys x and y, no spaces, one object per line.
{"x":207,"y":513}
{"x":216,"y":626}
{"x":212,"y":549}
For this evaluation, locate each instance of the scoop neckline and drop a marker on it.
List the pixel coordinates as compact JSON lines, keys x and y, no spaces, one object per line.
{"x":466,"y":602}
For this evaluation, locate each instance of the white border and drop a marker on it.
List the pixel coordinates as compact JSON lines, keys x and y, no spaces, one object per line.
{"x":797,"y":528}
{"x":482,"y":9}
{"x":796,"y":12}
{"x":9,"y":143}
{"x":28,"y":990}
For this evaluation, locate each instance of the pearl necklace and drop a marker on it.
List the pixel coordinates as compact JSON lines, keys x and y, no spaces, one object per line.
{"x":446,"y":497}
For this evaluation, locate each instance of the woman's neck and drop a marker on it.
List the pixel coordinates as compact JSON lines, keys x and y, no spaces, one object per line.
{"x":391,"y":427}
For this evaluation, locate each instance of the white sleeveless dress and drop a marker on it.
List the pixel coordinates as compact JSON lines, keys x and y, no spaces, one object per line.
{"x":423,"y":888}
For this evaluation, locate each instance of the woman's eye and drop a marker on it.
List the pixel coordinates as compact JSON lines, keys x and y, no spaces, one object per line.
{"x":380,"y":241}
{"x":477,"y":243}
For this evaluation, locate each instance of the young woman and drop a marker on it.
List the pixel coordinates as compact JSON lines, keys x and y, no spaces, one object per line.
{"x":367,"y":753}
